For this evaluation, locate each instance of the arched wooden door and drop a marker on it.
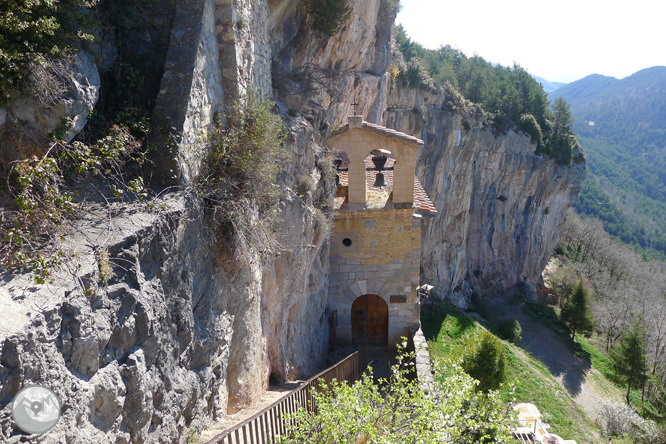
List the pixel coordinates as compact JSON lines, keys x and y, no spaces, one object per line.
{"x":370,"y":320}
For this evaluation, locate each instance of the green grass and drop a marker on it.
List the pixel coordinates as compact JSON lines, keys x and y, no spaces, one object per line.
{"x":534,"y":383}
{"x":598,"y":359}
{"x":602,"y":363}
{"x":447,"y":329}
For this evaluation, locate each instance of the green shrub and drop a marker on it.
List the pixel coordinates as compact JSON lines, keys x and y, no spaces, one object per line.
{"x":510,"y":330}
{"x":399,"y":410}
{"x":485,"y":361}
{"x":239,"y":173}
{"x":328,"y":16}
{"x":417,"y":75}
{"x":42,"y":203}
{"x":31,"y":33}
{"x":529,"y":124}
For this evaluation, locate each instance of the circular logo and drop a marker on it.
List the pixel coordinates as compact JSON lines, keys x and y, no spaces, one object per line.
{"x":36,"y":409}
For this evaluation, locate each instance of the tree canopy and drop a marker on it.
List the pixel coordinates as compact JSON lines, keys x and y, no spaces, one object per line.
{"x":628,"y":359}
{"x":486,"y":361}
{"x":576,"y":312}
{"x":621,"y":126}
{"x":510,"y":94}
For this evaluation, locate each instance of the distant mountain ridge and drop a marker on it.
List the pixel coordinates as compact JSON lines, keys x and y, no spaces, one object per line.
{"x":548,"y":86}
{"x":630,"y":111}
{"x":621,"y":124}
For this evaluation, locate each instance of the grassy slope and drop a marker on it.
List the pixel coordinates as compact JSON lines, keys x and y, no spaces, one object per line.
{"x":446,"y":329}
{"x":605,"y":376}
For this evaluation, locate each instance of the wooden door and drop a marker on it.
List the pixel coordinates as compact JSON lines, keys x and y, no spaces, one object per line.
{"x":370,"y":320}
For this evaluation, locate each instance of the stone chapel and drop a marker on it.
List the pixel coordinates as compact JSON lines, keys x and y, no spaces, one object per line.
{"x":376,"y":239}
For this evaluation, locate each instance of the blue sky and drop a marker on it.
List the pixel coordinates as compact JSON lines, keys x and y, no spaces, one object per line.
{"x":561,"y":41}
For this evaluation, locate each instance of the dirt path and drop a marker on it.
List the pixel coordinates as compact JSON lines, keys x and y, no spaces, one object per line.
{"x":555,"y":350}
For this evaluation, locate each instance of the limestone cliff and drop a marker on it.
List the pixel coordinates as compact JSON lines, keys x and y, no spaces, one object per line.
{"x":180,"y":333}
{"x":501,"y":208}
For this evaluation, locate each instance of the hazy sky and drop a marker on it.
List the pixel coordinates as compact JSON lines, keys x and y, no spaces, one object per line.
{"x":561,"y":41}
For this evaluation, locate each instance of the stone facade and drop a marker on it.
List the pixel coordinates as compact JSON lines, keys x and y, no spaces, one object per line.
{"x":383,"y":259}
{"x":376,"y":240}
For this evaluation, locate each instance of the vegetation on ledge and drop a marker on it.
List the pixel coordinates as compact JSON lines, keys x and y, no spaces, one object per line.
{"x":448,"y":331}
{"x":31,"y":33}
{"x":238,"y":178}
{"x":399,"y":410}
{"x":510,"y":94}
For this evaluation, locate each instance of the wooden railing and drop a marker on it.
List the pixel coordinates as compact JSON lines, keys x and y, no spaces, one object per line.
{"x":526,"y":435}
{"x":265,"y":426}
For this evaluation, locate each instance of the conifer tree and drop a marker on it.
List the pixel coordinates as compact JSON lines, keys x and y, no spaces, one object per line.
{"x":576,"y":312}
{"x":629,"y":359}
{"x":486,"y":361}
{"x":562,"y":138}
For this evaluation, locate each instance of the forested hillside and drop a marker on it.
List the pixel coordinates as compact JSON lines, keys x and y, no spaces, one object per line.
{"x":510,"y":95}
{"x":621,"y":124}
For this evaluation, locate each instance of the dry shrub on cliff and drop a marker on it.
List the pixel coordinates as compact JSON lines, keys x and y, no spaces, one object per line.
{"x":18,"y":142}
{"x":238,"y":178}
{"x":34,"y":33}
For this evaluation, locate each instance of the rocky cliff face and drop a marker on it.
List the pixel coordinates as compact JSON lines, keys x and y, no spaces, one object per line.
{"x":501,"y":208}
{"x":179,"y":333}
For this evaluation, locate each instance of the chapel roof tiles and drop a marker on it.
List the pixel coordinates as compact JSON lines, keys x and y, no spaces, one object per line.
{"x":388,"y":132}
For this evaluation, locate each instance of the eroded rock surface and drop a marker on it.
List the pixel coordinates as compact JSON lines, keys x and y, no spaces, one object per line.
{"x":501,"y":208}
{"x":72,"y":86}
{"x":144,"y":354}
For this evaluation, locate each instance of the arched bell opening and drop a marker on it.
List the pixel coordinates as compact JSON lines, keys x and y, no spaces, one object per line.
{"x":377,"y":163}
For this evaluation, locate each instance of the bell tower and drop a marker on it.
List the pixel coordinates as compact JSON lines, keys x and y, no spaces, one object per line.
{"x":376,"y":241}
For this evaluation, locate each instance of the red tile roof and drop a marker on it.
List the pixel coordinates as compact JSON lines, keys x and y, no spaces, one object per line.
{"x":388,"y":132}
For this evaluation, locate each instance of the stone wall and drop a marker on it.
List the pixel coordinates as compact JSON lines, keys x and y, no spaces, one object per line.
{"x":383,"y":259}
{"x":424,"y":372}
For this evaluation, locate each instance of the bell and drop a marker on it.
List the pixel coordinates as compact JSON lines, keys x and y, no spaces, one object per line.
{"x":379,"y":162}
{"x":379,"y":181}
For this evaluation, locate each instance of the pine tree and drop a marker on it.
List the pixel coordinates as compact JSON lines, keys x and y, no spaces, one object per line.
{"x":562,"y":137}
{"x":629,"y":359}
{"x":486,"y":361}
{"x":576,"y":312}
